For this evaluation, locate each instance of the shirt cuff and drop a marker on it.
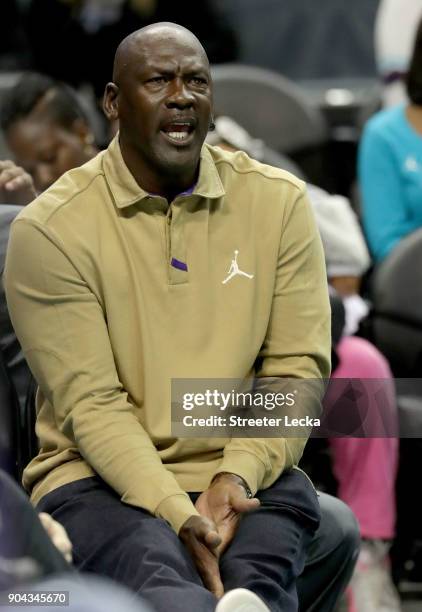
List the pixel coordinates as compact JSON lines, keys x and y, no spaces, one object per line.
{"x":176,"y":509}
{"x":246,"y":465}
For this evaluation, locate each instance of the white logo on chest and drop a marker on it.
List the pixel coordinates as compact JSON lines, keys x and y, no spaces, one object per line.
{"x":234,"y":270}
{"x":411,"y":164}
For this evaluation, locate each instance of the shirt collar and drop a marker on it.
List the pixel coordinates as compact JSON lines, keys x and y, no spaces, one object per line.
{"x":126,"y":190}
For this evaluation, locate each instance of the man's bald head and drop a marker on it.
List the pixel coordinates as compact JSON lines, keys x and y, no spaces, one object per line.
{"x":133,"y":47}
{"x":162,"y":98}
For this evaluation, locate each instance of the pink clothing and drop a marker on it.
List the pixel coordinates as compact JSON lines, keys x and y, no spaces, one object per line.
{"x":366,"y":467}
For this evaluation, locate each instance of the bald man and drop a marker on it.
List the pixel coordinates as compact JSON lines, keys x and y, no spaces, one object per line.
{"x":117,"y":283}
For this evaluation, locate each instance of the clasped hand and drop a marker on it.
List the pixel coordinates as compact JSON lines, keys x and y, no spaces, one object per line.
{"x":207,"y":536}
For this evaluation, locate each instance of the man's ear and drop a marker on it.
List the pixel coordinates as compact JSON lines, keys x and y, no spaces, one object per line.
{"x":110,"y":104}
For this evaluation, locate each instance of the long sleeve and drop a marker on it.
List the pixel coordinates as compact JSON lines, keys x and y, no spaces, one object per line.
{"x":385,"y":218}
{"x":63,"y":332}
{"x":297,"y":343}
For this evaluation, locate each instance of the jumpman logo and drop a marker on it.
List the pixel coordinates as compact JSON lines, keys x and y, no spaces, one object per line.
{"x":235,"y":271}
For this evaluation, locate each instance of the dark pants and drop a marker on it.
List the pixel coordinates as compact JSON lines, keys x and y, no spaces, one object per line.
{"x":331,"y":554}
{"x":129,"y":545}
{"x":331,"y":557}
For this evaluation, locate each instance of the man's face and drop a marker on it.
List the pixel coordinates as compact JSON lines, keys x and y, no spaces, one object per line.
{"x":164,"y":104}
{"x":45,"y":149}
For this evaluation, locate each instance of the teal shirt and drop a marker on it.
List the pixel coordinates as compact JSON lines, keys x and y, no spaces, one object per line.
{"x":390,"y":178}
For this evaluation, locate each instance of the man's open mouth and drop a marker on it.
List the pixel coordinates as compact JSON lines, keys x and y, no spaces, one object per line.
{"x":179,"y":132}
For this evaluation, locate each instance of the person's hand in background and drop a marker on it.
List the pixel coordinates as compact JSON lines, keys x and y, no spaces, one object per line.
{"x":346,"y":285}
{"x":16,"y":185}
{"x":57,"y":534}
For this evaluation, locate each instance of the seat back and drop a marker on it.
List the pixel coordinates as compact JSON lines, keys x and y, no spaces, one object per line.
{"x":29,"y":442}
{"x":269,"y":106}
{"x":397,"y":303}
{"x":18,"y":441}
{"x":9,"y":424}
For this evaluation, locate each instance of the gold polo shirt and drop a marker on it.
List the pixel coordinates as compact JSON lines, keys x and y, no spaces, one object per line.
{"x":113,"y":292}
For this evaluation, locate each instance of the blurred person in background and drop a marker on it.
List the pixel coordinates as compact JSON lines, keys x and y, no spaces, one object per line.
{"x":366,"y":468}
{"x":395,"y":30}
{"x":46,"y":128}
{"x":390,"y":166}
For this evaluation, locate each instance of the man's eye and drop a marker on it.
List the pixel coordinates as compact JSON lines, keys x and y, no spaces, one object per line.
{"x":199,"y":81}
{"x":158,"y":79}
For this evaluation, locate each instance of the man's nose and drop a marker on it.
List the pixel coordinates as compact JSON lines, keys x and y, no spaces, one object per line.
{"x":179,"y":95}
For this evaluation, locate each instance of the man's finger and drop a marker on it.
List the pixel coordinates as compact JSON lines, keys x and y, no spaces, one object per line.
{"x":213,"y":583}
{"x":208,"y":534}
{"x":209,"y":570}
{"x":243,"y":504}
{"x":200,"y":536}
{"x":212,"y":539}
